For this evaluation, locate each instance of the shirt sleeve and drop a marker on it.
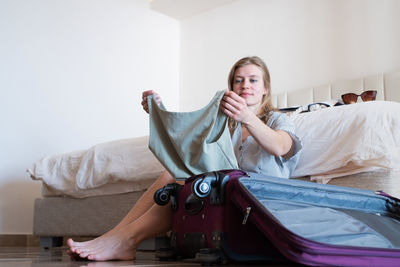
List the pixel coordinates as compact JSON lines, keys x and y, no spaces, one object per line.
{"x":280,"y":121}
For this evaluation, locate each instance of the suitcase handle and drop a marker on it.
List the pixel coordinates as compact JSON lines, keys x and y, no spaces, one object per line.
{"x":193,"y":205}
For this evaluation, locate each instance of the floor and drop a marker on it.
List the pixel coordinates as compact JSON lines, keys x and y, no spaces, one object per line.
{"x":57,"y":257}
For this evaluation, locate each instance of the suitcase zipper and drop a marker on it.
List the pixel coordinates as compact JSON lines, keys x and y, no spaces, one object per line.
{"x":246,"y":215}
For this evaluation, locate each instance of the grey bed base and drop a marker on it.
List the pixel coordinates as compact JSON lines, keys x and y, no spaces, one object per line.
{"x":56,"y":218}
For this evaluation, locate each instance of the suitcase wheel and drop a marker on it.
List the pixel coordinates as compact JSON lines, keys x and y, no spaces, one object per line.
{"x":202,"y":188}
{"x":164,"y":250}
{"x":209,"y":256}
{"x":165,"y":254}
{"x":212,"y":183}
{"x":163,"y":195}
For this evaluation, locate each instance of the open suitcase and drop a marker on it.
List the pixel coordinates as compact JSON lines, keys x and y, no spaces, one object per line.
{"x":234,"y":216}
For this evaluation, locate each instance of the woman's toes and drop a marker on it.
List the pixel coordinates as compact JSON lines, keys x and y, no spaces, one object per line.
{"x":70,"y":242}
{"x":83,"y":254}
{"x":91,"y":257}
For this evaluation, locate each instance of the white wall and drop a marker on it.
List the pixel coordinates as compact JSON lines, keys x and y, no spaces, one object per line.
{"x":71,"y":72}
{"x":71,"y":76}
{"x":304,"y":43}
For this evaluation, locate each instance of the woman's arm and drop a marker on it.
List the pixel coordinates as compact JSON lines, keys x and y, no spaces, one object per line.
{"x":275,"y":142}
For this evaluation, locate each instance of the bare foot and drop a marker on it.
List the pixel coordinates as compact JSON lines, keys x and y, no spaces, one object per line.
{"x":114,"y":245}
{"x":74,"y":257}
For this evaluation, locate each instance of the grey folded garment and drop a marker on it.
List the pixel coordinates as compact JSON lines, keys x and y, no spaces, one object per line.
{"x":190,"y":143}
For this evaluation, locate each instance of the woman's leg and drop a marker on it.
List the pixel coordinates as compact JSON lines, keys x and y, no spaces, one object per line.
{"x":121,"y":244}
{"x":146,"y":201}
{"x":140,"y":208}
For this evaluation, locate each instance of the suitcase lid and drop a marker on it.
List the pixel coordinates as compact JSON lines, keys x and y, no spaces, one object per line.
{"x":322,"y":224}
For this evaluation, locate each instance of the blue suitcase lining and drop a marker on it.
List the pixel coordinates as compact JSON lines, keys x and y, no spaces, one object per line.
{"x":327,"y":214}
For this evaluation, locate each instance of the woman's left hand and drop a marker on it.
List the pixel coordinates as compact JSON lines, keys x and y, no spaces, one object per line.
{"x":236,"y":107}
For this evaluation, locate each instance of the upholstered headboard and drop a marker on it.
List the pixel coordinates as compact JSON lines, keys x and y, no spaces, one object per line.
{"x":387,"y":84}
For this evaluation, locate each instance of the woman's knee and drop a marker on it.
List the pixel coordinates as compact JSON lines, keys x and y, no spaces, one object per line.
{"x":167,"y":178}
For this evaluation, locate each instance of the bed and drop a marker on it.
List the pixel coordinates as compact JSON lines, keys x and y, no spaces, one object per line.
{"x":85,"y":193}
{"x":364,"y":136}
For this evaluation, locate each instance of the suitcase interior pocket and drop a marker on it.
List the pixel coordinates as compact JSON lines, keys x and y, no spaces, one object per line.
{"x":333,"y":226}
{"x":329,"y":215}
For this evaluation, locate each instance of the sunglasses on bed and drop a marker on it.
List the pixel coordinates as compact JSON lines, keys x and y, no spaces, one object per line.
{"x":365,"y":96}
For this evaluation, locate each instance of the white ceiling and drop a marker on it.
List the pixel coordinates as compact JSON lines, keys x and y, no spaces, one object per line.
{"x":182,"y":9}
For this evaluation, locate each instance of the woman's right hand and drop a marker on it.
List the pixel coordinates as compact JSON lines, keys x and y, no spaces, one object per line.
{"x":144,"y":99}
{"x":235,"y":107}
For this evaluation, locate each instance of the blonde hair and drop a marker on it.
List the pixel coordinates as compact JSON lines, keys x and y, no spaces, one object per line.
{"x":266,"y":104}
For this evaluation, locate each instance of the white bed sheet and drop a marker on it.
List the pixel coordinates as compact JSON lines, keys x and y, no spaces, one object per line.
{"x":348,"y":139}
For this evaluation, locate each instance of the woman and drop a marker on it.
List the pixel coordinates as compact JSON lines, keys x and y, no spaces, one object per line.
{"x":263,"y":140}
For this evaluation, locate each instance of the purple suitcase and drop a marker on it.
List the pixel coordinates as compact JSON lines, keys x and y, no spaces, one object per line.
{"x":209,"y":227}
{"x":225,"y":216}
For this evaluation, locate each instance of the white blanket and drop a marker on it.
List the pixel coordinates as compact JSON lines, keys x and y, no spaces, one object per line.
{"x":109,"y":168}
{"x":348,"y":139}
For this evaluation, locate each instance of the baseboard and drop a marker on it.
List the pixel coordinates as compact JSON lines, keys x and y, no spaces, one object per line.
{"x":34,"y":241}
{"x":19,"y":241}
{"x":30,"y":240}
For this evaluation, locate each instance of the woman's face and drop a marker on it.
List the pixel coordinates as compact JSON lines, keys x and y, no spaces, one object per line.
{"x":248,"y":83}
